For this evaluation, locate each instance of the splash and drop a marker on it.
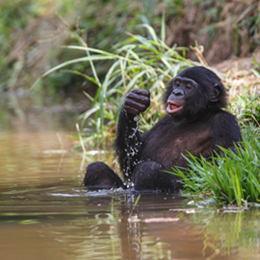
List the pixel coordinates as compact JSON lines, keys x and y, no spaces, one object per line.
{"x":133,"y":147}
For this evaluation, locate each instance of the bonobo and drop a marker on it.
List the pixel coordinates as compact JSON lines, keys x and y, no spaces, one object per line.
{"x":194,"y":122}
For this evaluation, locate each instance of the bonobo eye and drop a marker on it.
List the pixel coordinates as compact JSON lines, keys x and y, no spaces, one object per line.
{"x":189,"y":85}
{"x":177,"y":83}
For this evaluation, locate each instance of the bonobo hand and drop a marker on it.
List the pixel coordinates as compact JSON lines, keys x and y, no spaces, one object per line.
{"x":136,"y":102}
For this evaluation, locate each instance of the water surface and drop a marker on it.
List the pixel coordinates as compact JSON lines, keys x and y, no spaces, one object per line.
{"x":45,"y":213}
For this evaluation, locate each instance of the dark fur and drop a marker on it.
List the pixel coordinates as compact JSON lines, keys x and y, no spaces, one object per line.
{"x":206,"y":80}
{"x":201,"y":127}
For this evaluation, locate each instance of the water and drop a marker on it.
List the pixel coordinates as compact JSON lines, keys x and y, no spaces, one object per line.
{"x":45,"y":213}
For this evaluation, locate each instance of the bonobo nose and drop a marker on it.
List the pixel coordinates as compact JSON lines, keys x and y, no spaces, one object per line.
{"x":178,"y":92}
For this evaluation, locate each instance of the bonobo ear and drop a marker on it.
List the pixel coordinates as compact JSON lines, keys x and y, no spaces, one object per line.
{"x":214,"y":96}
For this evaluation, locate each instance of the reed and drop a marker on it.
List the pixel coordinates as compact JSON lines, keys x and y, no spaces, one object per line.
{"x":138,"y":62}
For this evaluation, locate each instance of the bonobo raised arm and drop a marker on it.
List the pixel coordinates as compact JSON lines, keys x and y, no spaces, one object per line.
{"x":128,"y":142}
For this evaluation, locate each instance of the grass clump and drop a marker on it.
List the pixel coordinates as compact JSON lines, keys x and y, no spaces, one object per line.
{"x":232,"y":178}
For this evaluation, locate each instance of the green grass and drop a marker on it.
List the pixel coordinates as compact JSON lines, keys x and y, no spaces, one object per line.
{"x":232,"y":179}
{"x":137,"y":62}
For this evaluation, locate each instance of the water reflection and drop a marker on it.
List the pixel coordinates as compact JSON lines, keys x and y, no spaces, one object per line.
{"x":37,"y":159}
{"x":69,"y":223}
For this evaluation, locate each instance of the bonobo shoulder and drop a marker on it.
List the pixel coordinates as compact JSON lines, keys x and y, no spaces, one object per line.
{"x":225,"y":117}
{"x":226,"y":129}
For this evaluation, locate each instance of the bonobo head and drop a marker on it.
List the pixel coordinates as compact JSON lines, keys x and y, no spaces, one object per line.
{"x":193,"y":91}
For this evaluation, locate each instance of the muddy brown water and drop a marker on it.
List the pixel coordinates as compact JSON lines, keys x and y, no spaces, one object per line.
{"x":45,"y":213}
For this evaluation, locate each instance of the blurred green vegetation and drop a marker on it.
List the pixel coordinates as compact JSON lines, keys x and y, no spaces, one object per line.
{"x":32,"y":33}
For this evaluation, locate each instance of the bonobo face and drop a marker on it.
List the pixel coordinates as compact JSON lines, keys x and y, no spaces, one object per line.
{"x":182,"y":89}
{"x":195,"y":90}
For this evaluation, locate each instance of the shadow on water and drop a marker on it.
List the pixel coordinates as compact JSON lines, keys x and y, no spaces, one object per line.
{"x":45,"y":213}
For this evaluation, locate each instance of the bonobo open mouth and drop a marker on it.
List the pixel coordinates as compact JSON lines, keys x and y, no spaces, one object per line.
{"x":173,"y":108}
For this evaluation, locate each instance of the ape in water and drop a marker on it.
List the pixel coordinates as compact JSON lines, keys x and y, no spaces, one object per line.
{"x":194,"y":122}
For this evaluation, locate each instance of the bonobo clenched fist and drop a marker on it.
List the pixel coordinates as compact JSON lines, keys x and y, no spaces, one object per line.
{"x":136,"y":102}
